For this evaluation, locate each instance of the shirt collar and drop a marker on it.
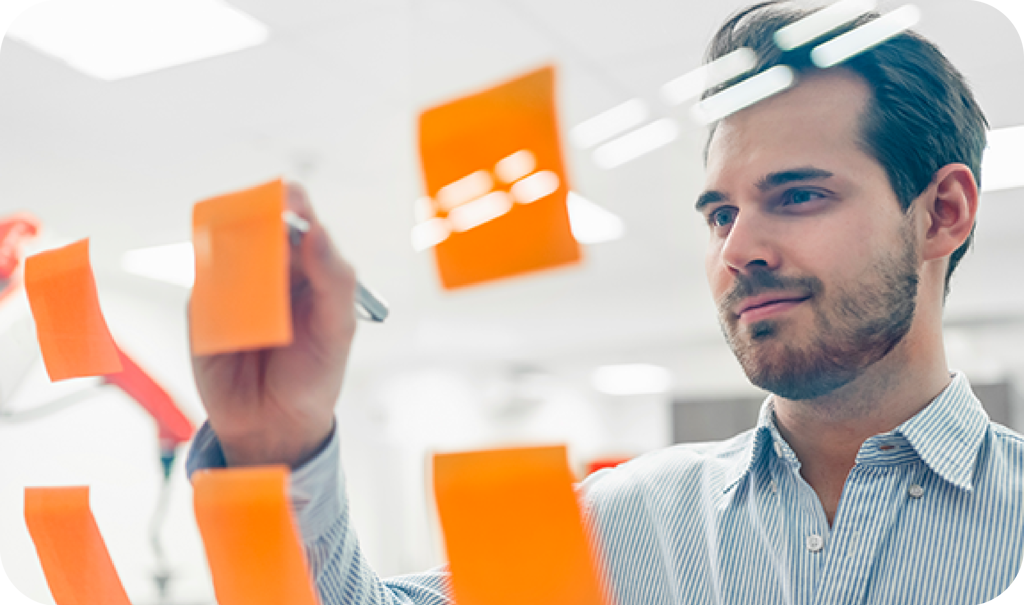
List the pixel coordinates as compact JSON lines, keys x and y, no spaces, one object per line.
{"x":947,"y":434}
{"x":761,"y":439}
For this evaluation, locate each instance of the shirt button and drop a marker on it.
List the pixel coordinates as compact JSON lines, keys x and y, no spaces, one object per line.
{"x":916,"y":491}
{"x":815,"y":543}
{"x":778,"y":449}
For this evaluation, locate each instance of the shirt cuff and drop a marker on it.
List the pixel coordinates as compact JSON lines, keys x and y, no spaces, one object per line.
{"x":314,"y":488}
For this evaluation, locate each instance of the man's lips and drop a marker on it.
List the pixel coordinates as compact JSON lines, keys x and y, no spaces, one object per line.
{"x":768,"y":303}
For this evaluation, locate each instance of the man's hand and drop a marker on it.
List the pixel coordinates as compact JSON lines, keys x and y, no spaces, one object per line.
{"x":276,"y":405}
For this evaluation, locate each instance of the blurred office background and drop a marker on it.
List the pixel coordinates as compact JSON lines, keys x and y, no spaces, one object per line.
{"x":330,"y":97}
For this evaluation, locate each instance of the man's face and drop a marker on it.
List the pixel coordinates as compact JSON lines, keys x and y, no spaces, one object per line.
{"x":812,"y":263}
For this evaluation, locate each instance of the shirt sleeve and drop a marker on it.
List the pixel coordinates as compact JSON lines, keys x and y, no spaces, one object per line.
{"x":336,"y":563}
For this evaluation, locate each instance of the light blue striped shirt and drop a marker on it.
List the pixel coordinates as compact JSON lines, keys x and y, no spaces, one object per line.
{"x":932,"y":513}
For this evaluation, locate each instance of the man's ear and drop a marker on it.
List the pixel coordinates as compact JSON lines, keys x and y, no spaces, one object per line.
{"x":949,"y":207}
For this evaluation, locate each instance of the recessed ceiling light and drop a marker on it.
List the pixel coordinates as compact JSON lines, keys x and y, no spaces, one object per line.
{"x":114,"y":39}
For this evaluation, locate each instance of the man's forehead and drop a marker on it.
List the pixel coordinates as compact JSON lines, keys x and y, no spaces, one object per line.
{"x":820,"y":112}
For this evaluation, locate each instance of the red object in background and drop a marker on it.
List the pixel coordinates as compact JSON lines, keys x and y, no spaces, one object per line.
{"x":15,"y":230}
{"x":174,"y":427}
{"x":595,"y":465}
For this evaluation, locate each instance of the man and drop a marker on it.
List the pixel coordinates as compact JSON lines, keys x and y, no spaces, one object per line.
{"x":837,"y":211}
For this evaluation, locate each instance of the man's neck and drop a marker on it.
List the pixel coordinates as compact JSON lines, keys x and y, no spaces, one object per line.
{"x":826,"y":433}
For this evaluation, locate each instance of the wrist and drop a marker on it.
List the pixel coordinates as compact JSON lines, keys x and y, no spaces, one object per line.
{"x":273,"y":448}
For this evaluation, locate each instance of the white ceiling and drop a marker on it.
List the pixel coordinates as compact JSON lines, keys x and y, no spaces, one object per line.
{"x":332,"y":99}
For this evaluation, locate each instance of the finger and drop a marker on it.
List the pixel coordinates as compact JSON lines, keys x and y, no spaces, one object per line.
{"x":318,"y":266}
{"x":297,"y":200}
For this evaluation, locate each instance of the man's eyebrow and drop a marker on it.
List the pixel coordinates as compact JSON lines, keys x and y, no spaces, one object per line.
{"x":766,"y":183}
{"x":776,"y":179}
{"x":709,"y":197}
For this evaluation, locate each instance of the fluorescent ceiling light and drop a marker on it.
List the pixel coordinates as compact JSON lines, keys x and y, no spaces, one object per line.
{"x":114,"y":39}
{"x":423,"y":209}
{"x":825,"y":20}
{"x":631,"y":379}
{"x":173,"y":263}
{"x":864,"y":37}
{"x":536,"y":186}
{"x":719,"y":71}
{"x":607,"y":124}
{"x":1001,"y":165}
{"x":479,"y":211}
{"x":592,"y":224}
{"x":430,"y":233}
{"x":465,"y":190}
{"x":744,"y":94}
{"x":515,"y":166}
{"x":635,"y":144}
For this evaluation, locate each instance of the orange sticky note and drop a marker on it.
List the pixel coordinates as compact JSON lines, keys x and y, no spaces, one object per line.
{"x":496,"y":184}
{"x":252,"y":542}
{"x":240,"y":299}
{"x":513,"y":529}
{"x":73,"y":336}
{"x":74,"y":557}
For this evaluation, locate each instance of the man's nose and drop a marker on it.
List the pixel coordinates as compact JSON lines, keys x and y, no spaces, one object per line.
{"x":750,"y":244}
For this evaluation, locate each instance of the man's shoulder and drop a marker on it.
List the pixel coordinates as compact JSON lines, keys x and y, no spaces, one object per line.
{"x":682,"y":467}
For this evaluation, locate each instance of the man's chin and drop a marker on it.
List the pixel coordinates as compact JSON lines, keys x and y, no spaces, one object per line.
{"x":791,"y":373}
{"x":796,"y":379}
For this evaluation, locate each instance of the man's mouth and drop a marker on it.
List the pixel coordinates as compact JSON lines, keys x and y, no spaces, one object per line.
{"x":760,"y":307}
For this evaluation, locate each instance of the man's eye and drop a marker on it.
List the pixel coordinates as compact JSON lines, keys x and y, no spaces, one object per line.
{"x":720,"y":217}
{"x":801,"y":196}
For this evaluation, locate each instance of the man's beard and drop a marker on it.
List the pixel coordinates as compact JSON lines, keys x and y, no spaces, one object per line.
{"x":854,"y":328}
